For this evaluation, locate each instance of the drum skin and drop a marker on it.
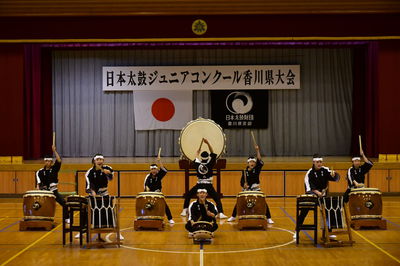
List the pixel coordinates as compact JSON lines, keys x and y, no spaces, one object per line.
{"x":76,"y":199}
{"x":251,"y":204}
{"x":365,"y":203}
{"x":39,"y":205}
{"x":202,"y":226}
{"x":150,"y":206}
{"x":194,"y":131}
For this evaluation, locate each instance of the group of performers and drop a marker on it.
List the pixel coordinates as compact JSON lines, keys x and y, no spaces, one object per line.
{"x":97,"y":178}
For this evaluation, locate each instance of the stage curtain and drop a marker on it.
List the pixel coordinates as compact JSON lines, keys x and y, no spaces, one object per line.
{"x":315,"y":119}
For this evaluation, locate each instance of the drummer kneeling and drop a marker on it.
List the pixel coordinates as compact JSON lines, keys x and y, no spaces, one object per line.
{"x":201,"y":210}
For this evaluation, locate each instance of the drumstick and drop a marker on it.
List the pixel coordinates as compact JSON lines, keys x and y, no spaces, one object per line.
{"x":201,"y":143}
{"x":54,"y":138}
{"x":159,"y":152}
{"x":360,"y":143}
{"x":254,"y":139}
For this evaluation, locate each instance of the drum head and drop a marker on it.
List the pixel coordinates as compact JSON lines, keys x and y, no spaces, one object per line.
{"x":194,"y":131}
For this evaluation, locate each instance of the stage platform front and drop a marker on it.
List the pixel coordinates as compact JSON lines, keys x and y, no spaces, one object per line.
{"x":281,"y":176}
{"x":233,"y":163}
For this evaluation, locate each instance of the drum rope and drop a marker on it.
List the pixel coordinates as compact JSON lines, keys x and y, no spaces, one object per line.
{"x":109,"y":210}
{"x":335,"y":210}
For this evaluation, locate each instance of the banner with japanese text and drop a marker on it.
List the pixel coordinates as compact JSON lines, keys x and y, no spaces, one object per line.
{"x":240,"y":109}
{"x":241,"y":77}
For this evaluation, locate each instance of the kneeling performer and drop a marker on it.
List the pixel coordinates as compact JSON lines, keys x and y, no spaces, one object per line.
{"x":201,"y":210}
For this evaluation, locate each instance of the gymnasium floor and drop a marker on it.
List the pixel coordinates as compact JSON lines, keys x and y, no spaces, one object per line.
{"x":172,"y":247}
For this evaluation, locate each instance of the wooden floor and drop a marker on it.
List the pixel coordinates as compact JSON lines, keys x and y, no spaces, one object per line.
{"x":172,"y":247}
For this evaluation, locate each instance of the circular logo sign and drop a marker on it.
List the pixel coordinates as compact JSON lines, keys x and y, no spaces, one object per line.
{"x":199,"y":27}
{"x":239,"y":102}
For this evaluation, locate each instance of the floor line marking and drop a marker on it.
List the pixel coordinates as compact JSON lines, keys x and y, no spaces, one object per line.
{"x":376,"y":246}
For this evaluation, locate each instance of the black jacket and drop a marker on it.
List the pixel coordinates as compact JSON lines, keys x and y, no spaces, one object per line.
{"x":204,"y":170}
{"x":358,"y":174}
{"x":252,"y":176}
{"x":96,"y":179}
{"x":198,"y":212}
{"x":46,"y":177}
{"x":154,"y":182}
{"x":318,"y":179}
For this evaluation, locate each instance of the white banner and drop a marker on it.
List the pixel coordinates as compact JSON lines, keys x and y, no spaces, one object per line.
{"x":262,"y":77}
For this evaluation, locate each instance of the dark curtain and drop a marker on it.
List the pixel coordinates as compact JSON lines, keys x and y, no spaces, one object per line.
{"x":37,"y":101}
{"x":365,"y":98}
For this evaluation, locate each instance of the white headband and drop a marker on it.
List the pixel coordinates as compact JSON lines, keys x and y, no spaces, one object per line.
{"x":356,"y":158}
{"x":98,"y":157}
{"x":202,"y":190}
{"x":153,"y":167}
{"x":48,"y":159}
{"x":317,"y":159}
{"x":251,"y":160}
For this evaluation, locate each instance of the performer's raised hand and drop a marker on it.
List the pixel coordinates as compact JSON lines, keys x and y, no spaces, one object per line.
{"x":333,"y":173}
{"x":54,"y":149}
{"x":208,"y":144}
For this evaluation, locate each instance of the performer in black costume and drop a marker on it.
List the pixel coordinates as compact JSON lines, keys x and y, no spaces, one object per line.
{"x":250,"y":181}
{"x":204,"y":164}
{"x":152,"y":182}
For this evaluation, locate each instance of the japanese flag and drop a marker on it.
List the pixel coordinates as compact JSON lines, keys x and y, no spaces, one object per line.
{"x":162,"y":109}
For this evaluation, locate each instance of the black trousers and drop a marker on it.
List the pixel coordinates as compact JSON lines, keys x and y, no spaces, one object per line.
{"x":168,"y":212}
{"x":267,"y":213}
{"x":60,"y":201}
{"x":190,"y":228}
{"x":211,"y":192}
{"x":346,"y":195}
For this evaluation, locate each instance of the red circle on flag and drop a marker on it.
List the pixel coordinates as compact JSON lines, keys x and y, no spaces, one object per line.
{"x":163,"y":109}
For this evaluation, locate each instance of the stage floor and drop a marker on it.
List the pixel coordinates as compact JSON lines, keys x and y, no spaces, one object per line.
{"x":274,"y":246}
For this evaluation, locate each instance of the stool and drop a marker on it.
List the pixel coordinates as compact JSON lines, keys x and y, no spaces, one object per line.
{"x":306,"y":203}
{"x":70,"y":209}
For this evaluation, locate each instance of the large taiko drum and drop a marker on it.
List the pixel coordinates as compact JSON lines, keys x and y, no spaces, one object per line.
{"x":192,"y":134}
{"x":39,"y":205}
{"x":365,"y":203}
{"x":150,"y":206}
{"x":251,"y":205}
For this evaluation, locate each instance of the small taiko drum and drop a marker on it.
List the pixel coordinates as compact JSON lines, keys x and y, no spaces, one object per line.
{"x":150,"y":210}
{"x":194,"y":131}
{"x":202,"y":231}
{"x":39,"y":205}
{"x":76,"y":199}
{"x":150,"y":206}
{"x":251,"y":210}
{"x":251,"y":204}
{"x":307,"y":200}
{"x":365,"y":203}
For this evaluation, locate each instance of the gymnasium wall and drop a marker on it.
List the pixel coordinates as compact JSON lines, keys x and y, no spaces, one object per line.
{"x":13,"y":134}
